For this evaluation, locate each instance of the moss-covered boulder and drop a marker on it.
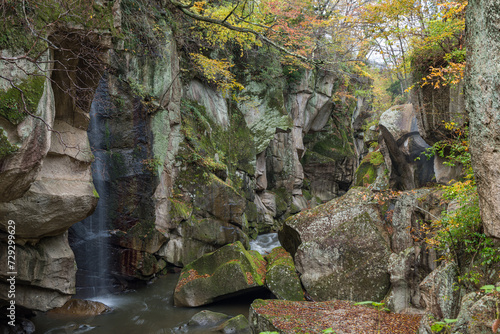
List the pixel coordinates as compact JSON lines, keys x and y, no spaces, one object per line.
{"x":229,"y":271}
{"x":372,"y":172}
{"x":281,"y":277}
{"x":340,"y":248}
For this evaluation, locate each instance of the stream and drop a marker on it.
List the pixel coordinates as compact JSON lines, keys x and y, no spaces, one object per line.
{"x":148,"y":310}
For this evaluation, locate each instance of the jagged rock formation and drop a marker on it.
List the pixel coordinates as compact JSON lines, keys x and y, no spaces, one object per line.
{"x":183,"y":170}
{"x":482,"y":104}
{"x":192,"y":170}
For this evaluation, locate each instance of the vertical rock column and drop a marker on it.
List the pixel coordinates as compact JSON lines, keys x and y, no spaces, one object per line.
{"x":483,"y":104}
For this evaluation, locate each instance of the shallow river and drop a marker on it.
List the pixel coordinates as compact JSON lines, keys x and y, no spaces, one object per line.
{"x":148,"y":310}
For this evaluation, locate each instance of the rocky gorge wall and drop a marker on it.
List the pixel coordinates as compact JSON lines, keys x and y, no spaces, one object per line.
{"x":183,"y":169}
{"x":191,"y":170}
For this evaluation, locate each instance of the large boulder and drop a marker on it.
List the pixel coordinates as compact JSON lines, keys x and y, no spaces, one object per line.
{"x":410,"y":167}
{"x":24,"y":141}
{"x":229,"y":271}
{"x":38,"y":213}
{"x":483,"y":315}
{"x":340,"y":248}
{"x":483,"y":104}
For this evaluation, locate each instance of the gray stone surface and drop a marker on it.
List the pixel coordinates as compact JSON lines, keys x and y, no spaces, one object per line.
{"x":483,"y":104}
{"x":340,"y":249}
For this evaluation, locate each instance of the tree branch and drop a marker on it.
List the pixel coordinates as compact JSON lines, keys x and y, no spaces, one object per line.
{"x":227,"y":25}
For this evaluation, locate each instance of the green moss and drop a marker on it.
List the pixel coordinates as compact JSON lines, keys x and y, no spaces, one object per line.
{"x":327,"y":147}
{"x":144,"y":230}
{"x":294,"y":209}
{"x":376,"y":158}
{"x":12,"y":106}
{"x":367,"y":170}
{"x":283,"y":200}
{"x":16,"y":33}
{"x":180,"y":209}
{"x":209,"y":149}
{"x":144,"y":26}
{"x":279,"y":256}
{"x":95,"y":193}
{"x":365,"y":174}
{"x":307,"y":194}
{"x":6,"y":148}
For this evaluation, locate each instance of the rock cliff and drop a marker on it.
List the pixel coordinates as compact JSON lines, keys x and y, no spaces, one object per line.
{"x":482,"y":104}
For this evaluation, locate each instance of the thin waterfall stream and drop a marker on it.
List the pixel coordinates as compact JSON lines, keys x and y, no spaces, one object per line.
{"x":89,"y":238}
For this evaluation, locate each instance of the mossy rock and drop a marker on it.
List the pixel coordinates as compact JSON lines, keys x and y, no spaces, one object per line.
{"x":143,"y":236}
{"x":372,"y":171}
{"x":221,"y":200}
{"x":327,"y":147}
{"x":180,"y":210}
{"x":281,"y":277}
{"x":283,"y":201}
{"x":12,"y":106}
{"x":229,"y":271}
{"x":6,"y":147}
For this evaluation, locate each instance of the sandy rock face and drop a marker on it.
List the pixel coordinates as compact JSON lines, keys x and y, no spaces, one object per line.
{"x":45,"y":180}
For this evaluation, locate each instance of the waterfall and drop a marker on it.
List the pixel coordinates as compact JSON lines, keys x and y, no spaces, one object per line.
{"x":89,"y":238}
{"x":265,"y":243}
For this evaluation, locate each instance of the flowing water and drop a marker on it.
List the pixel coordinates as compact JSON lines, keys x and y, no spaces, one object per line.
{"x":265,"y":243}
{"x":89,"y":238}
{"x":149,"y":310}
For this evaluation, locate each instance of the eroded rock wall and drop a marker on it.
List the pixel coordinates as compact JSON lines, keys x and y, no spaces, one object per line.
{"x":46,"y":183}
